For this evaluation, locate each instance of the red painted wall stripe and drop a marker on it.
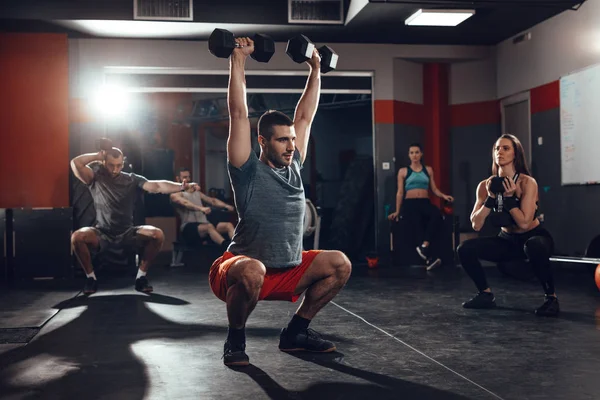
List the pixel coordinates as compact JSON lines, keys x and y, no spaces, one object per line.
{"x":384,"y":111}
{"x":398,"y":112}
{"x":436,"y":91}
{"x":545,"y":97}
{"x":34,"y":120}
{"x":481,"y":113}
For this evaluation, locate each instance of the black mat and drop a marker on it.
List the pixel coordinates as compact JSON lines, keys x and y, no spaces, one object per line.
{"x":17,"y":335}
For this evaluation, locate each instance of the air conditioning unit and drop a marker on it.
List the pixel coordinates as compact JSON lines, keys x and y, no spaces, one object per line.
{"x":163,"y":10}
{"x":316,"y":12}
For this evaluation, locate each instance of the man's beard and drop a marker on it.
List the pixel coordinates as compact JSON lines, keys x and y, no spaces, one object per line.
{"x":279,"y":162}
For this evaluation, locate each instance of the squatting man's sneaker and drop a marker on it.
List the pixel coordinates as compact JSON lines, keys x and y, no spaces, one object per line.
{"x":308,"y":340}
{"x":235,"y":354}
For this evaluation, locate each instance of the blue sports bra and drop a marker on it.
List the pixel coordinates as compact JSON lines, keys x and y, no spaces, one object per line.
{"x":416,"y":180}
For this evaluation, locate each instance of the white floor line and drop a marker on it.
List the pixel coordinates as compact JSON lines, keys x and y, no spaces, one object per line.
{"x":418,"y":351}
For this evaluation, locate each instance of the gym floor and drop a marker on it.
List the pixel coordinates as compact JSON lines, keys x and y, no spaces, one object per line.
{"x":401,"y":334}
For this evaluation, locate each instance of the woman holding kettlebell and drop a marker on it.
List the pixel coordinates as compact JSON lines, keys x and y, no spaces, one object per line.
{"x":509,"y":199}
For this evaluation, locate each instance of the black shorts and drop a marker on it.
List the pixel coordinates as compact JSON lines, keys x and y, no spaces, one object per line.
{"x":127,"y":239}
{"x":190,"y":233}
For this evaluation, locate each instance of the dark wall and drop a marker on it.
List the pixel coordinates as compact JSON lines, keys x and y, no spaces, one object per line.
{"x":404,"y":136}
{"x":570,"y":212}
{"x":470,"y":158}
{"x":338,"y":130}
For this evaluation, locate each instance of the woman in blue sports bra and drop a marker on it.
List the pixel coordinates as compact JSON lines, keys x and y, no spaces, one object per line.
{"x":508,"y":200}
{"x":412,"y":199}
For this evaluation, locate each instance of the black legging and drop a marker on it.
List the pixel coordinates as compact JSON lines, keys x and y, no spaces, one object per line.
{"x":423,"y":216}
{"x":537,"y":245}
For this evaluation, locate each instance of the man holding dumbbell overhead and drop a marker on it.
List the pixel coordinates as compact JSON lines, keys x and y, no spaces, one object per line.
{"x":114,"y":192}
{"x":265,"y":260}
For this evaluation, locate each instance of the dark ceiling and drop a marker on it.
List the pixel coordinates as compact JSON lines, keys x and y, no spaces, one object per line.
{"x":376,"y":22}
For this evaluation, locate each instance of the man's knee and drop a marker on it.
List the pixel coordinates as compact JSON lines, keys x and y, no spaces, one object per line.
{"x":249,"y":273}
{"x":83,"y":236}
{"x":341,"y":265}
{"x":153,"y":233}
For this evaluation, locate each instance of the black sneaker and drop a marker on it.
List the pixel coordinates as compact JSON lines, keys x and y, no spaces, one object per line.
{"x":308,"y":340}
{"x":423,"y":252}
{"x":142,"y":285}
{"x":481,"y":300}
{"x":91,"y":285}
{"x":235,"y":354}
{"x":550,"y":308}
{"x":433,"y":263}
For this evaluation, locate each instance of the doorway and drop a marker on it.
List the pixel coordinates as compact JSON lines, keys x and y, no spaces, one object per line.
{"x":516,"y":120}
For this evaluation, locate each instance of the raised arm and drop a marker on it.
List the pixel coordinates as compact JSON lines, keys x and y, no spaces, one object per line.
{"x":213,"y":201}
{"x":307,"y":105}
{"x":177,"y":198}
{"x":80,"y":167}
{"x":239,"y":144}
{"x":166,"y":187}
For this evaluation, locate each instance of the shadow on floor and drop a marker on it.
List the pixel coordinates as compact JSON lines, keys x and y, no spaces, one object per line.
{"x":90,"y":355}
{"x":379,"y":386}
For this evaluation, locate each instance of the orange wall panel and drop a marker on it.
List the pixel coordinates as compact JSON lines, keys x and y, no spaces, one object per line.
{"x":34,"y":120}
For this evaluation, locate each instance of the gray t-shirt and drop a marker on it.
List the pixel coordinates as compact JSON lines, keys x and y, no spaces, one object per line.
{"x":114,"y":198}
{"x":271,"y":205}
{"x":188,"y":215}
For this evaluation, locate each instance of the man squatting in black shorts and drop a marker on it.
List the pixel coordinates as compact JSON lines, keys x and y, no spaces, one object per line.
{"x":114,"y":193}
{"x":195,"y":226}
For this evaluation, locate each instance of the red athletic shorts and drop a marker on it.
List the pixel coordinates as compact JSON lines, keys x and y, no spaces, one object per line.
{"x":279,"y":283}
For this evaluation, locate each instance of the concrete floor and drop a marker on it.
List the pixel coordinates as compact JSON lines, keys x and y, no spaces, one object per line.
{"x":401,"y":334}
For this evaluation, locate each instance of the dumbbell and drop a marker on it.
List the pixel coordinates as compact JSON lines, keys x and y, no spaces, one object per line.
{"x":104,"y":144}
{"x":221,"y":43}
{"x":300,"y":49}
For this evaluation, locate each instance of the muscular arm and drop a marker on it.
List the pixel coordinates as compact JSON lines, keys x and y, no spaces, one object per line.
{"x":178,"y":199}
{"x":480,"y":213}
{"x":80,"y":168}
{"x":523,"y":215}
{"x":165,"y":187}
{"x":214,"y":201}
{"x":432,"y":184}
{"x":306,"y":110}
{"x":238,"y":143}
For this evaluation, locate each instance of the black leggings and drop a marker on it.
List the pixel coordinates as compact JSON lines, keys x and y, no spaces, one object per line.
{"x":537,"y":245}
{"x":423,"y":216}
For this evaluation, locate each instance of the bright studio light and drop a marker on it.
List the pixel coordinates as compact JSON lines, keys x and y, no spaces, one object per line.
{"x":110,"y":101}
{"x":438,"y":17}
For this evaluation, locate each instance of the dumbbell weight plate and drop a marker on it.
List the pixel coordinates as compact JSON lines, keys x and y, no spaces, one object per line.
{"x":299,"y":49}
{"x":221,"y":43}
{"x":329,"y":59}
{"x":264,"y":47}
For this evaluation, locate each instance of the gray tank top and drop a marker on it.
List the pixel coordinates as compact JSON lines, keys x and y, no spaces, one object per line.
{"x":188,"y":215}
{"x":271,"y":204}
